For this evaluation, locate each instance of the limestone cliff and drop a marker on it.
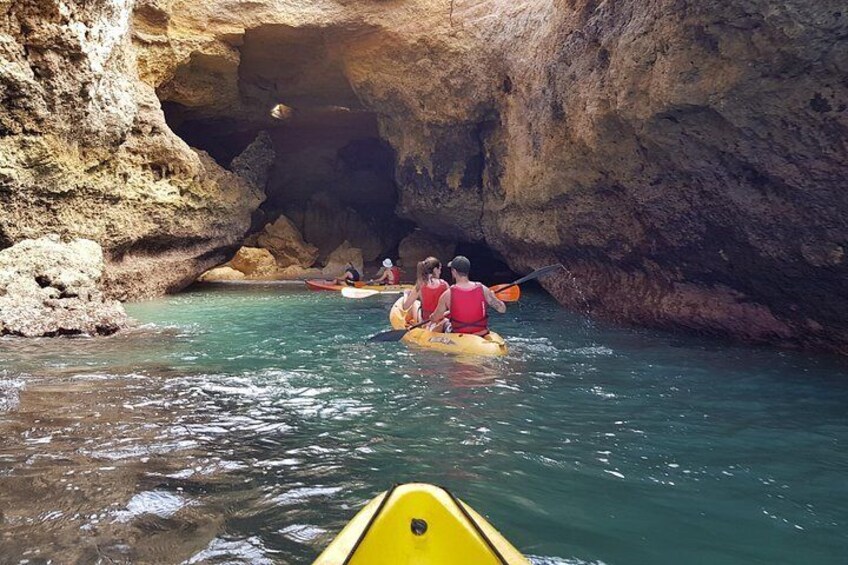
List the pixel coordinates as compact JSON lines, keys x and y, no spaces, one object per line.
{"x":685,"y":160}
{"x":85,"y":152}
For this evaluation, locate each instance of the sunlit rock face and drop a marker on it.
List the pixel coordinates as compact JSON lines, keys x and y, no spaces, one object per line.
{"x":685,"y":160}
{"x":85,"y":152}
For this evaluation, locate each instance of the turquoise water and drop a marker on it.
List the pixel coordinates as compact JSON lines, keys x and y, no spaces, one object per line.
{"x":248,"y":423}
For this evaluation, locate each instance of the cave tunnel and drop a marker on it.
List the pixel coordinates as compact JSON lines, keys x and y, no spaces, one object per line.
{"x":333,"y":174}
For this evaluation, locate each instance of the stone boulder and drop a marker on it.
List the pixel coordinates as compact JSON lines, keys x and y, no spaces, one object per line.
{"x":283,"y":240}
{"x":340,"y":257}
{"x":254,"y":262}
{"x":222,"y":273}
{"x":49,"y":288}
{"x":420,"y":244}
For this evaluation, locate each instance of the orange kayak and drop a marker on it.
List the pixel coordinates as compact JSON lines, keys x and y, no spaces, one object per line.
{"x":317,"y":284}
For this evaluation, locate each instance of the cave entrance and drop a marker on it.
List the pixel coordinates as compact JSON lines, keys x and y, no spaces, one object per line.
{"x":486,"y":266}
{"x":333,"y":174}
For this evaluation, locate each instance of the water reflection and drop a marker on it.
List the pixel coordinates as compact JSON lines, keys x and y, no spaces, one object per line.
{"x":248,"y":426}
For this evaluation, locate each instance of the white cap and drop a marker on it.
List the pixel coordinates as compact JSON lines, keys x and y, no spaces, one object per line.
{"x":387,"y":263}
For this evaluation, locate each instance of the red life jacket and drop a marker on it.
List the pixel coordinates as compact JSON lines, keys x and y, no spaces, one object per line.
{"x":394,"y":276}
{"x":468,"y":310}
{"x":430,"y":298}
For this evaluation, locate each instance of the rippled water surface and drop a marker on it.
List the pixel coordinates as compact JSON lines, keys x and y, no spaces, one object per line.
{"x":246,"y":424}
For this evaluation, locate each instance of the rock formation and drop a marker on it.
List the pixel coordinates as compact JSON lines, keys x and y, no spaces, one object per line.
{"x":338,"y":260}
{"x":220,"y":274}
{"x":685,"y":160}
{"x":419,"y":245}
{"x":254,"y":263}
{"x":85,"y":152}
{"x":50,"y":288}
{"x":284,"y":241}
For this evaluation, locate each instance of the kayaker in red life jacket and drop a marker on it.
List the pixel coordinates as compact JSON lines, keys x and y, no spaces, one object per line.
{"x":465,"y":301}
{"x":429,"y":287}
{"x":391,"y":274}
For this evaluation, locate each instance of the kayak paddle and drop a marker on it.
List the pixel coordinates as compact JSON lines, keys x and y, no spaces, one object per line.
{"x":507,"y":293}
{"x":350,"y":292}
{"x":397,"y":335}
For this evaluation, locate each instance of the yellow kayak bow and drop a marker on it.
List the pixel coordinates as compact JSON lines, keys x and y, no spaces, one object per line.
{"x":419,"y":524}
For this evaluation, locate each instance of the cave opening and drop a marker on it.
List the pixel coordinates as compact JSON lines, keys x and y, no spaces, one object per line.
{"x":333,"y":174}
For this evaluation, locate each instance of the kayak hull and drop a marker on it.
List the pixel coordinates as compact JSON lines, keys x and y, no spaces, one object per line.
{"x":419,"y":524}
{"x":317,"y":284}
{"x":492,"y":345}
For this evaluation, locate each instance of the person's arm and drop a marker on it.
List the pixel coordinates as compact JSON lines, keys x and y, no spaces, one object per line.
{"x":493,"y":300}
{"x":411,"y":297}
{"x":442,"y":308}
{"x":378,"y":277}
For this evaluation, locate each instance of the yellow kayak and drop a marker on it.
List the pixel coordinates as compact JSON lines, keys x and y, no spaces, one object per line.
{"x":492,"y":345}
{"x":419,"y":524}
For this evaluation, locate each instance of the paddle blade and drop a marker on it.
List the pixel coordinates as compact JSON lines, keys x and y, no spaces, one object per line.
{"x":350,"y":292}
{"x":539,"y":273}
{"x":507,"y":292}
{"x":393,"y":335}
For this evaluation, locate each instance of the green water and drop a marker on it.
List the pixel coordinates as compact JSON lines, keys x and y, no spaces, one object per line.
{"x":246,"y":424}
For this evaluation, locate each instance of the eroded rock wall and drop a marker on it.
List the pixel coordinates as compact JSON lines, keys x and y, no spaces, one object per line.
{"x":685,"y":160}
{"x":85,"y":152}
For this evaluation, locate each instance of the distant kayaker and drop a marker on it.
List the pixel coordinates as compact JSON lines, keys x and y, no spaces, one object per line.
{"x":389,"y":274}
{"x":465,"y":301}
{"x":429,"y":287}
{"x":351,"y":276}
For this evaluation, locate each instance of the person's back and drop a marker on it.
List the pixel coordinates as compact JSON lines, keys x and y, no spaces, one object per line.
{"x":468,"y":308}
{"x":465,"y":302}
{"x":430,"y":294}
{"x":352,"y":274}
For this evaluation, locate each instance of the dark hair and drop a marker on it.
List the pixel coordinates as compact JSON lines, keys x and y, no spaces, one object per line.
{"x":426,"y":267}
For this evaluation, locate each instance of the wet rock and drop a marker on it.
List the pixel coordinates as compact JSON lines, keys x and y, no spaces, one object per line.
{"x":48,"y":288}
{"x":283,"y":240}
{"x":419,"y":245}
{"x":340,"y":257}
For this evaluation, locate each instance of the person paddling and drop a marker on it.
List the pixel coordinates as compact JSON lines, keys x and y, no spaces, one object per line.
{"x":429,"y":287}
{"x":351,"y":276}
{"x":465,"y":302}
{"x":391,"y":274}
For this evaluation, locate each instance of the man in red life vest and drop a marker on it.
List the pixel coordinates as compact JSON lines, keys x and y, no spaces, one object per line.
{"x":466,"y":301}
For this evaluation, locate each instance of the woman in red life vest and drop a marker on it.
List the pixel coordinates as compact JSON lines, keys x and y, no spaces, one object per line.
{"x":391,"y":274}
{"x":429,"y":287}
{"x":465,"y":302}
